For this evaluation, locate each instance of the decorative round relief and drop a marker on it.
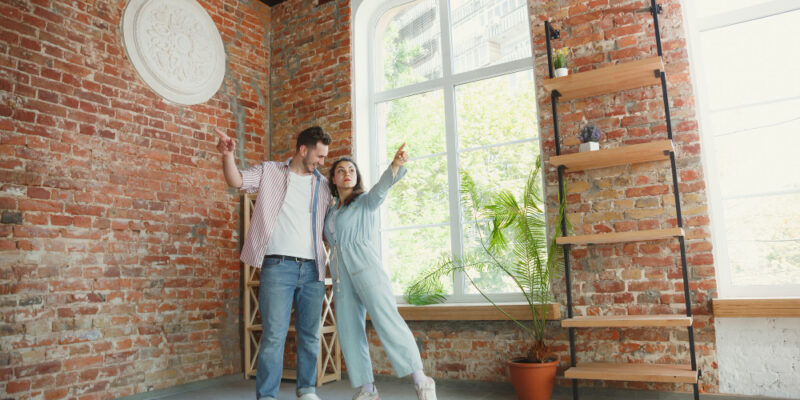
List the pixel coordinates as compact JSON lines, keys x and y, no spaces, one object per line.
{"x":175,"y":47}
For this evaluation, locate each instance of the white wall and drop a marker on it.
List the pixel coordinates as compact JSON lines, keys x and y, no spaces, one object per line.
{"x":759,"y":356}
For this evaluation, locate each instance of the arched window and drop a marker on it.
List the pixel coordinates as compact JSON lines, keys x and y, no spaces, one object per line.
{"x":454,"y":81}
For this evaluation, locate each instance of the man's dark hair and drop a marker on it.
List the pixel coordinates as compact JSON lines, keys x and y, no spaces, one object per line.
{"x":311,"y":136}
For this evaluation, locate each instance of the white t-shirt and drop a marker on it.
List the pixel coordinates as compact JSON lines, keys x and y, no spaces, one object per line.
{"x":292,"y":234}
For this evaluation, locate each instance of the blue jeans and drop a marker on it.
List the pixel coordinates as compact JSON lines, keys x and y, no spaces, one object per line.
{"x":283,"y":283}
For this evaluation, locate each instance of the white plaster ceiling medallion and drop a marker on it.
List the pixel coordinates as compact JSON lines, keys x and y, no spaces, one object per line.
{"x":175,"y":48}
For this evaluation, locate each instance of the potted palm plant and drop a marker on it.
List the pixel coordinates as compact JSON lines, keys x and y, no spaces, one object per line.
{"x":513,"y":241}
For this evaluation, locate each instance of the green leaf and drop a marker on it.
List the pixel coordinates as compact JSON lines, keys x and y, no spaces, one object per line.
{"x":516,"y":245}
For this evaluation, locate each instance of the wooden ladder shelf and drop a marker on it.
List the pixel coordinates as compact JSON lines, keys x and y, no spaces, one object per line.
{"x":606,"y":80}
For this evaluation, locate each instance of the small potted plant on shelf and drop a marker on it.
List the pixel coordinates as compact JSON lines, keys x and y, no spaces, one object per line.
{"x":590,"y":138}
{"x":513,"y":242}
{"x":560,"y":62}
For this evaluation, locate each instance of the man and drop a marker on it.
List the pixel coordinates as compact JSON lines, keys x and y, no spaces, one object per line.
{"x":285,"y":241}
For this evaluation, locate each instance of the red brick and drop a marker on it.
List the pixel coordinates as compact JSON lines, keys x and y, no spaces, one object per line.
{"x":641,"y":286}
{"x":38,"y":369}
{"x":39,"y":205}
{"x":609,"y":286}
{"x":53,"y":394}
{"x":654,"y":261}
{"x":18,"y":386}
{"x":34,"y":232}
{"x":647,"y":191}
{"x":701,"y":259}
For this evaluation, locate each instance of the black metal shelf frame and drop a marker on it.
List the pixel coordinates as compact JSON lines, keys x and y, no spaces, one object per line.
{"x":551,"y":34}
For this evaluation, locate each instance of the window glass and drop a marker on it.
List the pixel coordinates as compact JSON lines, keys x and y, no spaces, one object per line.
{"x":488,"y":32}
{"x":409,"y":44}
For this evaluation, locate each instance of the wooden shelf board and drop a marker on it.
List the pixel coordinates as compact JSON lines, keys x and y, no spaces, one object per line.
{"x":473,"y":312}
{"x":289,"y":373}
{"x":756,"y":308}
{"x":637,"y":153}
{"x":626,"y":321}
{"x":608,"y":79}
{"x":461,"y":312}
{"x":620,"y":237}
{"x":633,"y":372}
{"x":322,"y":329}
{"x":329,"y":378}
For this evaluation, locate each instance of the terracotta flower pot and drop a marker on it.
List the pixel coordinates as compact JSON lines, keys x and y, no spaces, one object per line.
{"x":533,"y":381}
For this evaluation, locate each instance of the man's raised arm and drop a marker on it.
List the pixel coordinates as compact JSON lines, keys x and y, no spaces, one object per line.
{"x":225,"y":146}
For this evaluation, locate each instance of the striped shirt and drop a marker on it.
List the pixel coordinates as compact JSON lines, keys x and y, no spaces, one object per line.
{"x":270,"y":180}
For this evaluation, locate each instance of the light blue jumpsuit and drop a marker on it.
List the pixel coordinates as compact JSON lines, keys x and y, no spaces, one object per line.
{"x":361,"y":285}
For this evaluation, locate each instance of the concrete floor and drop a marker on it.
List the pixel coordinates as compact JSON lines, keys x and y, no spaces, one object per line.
{"x":235,"y":387}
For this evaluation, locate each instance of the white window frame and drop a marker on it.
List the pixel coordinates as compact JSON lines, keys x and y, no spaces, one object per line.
{"x":366,"y":14}
{"x":696,"y":26}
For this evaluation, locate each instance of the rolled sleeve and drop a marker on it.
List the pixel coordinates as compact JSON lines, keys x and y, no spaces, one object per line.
{"x":251,"y":178}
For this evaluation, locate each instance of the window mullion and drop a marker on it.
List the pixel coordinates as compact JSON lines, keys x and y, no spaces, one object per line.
{"x":470,"y":76}
{"x":456,"y":241}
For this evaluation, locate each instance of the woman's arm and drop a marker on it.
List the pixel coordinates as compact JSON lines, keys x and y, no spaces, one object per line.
{"x":394,"y":173}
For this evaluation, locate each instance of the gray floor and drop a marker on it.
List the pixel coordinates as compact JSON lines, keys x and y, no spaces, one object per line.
{"x":235,"y":387}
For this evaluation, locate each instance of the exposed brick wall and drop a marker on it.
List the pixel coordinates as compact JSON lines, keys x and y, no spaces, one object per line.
{"x":119,"y":266}
{"x":311,"y":74}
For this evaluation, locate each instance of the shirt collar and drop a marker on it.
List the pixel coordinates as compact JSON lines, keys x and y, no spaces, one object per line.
{"x":316,"y":172}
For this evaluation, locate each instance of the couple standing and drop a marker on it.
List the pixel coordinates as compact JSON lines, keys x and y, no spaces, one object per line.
{"x":293,"y":210}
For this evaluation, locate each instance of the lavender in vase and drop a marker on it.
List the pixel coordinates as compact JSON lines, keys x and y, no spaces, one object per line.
{"x":590,"y":137}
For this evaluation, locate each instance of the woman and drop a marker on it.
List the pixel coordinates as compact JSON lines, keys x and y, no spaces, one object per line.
{"x":360,"y":283}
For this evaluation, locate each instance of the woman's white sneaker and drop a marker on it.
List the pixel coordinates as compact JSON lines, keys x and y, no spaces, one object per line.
{"x":427,"y":390}
{"x":365,"y":395}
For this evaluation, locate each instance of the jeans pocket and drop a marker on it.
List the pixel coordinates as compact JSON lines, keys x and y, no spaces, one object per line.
{"x":270,"y":262}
